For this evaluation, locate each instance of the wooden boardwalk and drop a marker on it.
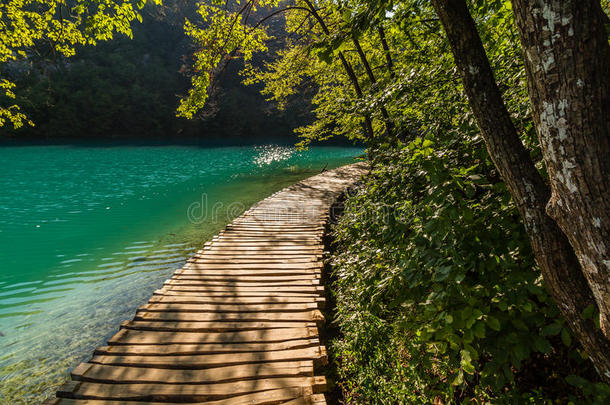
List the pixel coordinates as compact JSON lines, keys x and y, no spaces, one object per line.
{"x":238,"y":324}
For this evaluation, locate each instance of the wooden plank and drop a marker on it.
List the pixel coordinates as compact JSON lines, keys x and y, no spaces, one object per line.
{"x":194,"y":268}
{"x":298,"y":289}
{"x":208,"y":252}
{"x":296,"y":316}
{"x":276,"y":217}
{"x":247,"y":275}
{"x":275,"y":228}
{"x":310,"y":238}
{"x":253,"y":259}
{"x":268,"y":397}
{"x":282,"y":225}
{"x":290,"y":232}
{"x":245,"y":307}
{"x":257,"y":299}
{"x":202,"y":267}
{"x":216,"y":255}
{"x":266,"y":266}
{"x":203,"y":275}
{"x":128,"y":336}
{"x":151,"y":366}
{"x":172,"y":326}
{"x":213,"y":348}
{"x":268,"y":233}
{"x":186,"y":280}
{"x":169,"y":290}
{"x":317,"y":399}
{"x":184,"y":392}
{"x":260,"y":217}
{"x":254,"y":269}
{"x":314,"y":353}
{"x":206,"y":248}
{"x":181,"y":299}
{"x":312,"y":278}
{"x":228,"y":367}
{"x":300,"y":245}
{"x":262,"y":246}
{"x":184,"y":369}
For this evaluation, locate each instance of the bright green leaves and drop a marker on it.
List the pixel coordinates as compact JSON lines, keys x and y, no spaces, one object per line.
{"x":59,"y":26}
{"x":225,"y":34}
{"x":319,"y":57}
{"x":10,"y":113}
{"x":466,"y":361}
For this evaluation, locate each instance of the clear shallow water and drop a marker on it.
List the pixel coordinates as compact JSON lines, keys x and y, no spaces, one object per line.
{"x":88,"y":233}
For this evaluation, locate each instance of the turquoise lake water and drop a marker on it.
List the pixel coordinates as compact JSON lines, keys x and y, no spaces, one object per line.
{"x":88,"y":233}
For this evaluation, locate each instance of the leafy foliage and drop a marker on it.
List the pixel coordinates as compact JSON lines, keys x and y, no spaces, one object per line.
{"x":222,"y":37}
{"x":56,"y":26}
{"x":437,"y":290}
{"x":438,"y":295}
{"x":130,"y":88}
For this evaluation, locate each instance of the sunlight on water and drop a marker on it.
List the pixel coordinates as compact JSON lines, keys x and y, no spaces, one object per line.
{"x":269,"y":154}
{"x":88,"y":233}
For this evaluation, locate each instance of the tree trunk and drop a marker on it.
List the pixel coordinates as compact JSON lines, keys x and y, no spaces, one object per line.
{"x":386,"y":50}
{"x":368,"y":123}
{"x":554,"y":255}
{"x":567,"y":61}
{"x":389,"y":125}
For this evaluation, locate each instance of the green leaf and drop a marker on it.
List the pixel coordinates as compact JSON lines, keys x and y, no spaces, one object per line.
{"x":493,"y":323}
{"x":566,"y":338}
{"x":552,"y":329}
{"x":588,"y":312}
{"x":521,"y":352}
{"x":479,"y":329}
{"x":466,"y":362}
{"x":459,"y":379}
{"x":542,"y":345}
{"x":576,"y":381}
{"x":473,"y":353}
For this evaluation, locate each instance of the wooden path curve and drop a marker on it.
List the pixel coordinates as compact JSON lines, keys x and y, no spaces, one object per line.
{"x":238,"y":324}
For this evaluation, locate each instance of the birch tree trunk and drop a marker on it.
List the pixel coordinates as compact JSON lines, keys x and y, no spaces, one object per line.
{"x":567,"y":61}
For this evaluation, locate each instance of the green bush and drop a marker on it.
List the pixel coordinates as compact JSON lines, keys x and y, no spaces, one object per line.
{"x":438,"y":295}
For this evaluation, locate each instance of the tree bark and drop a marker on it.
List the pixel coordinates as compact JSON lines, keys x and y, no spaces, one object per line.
{"x":389,"y":125}
{"x":567,"y":61}
{"x":368,"y":124}
{"x":386,"y":51}
{"x":554,"y":255}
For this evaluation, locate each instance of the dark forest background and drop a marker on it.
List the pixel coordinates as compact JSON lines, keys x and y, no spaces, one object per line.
{"x":130,"y":88}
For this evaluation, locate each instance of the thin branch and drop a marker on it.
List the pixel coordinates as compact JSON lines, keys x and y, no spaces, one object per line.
{"x":386,"y":50}
{"x":279,"y":12}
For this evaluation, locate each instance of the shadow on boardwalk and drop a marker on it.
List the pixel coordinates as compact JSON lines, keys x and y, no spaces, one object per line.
{"x":238,"y":324}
